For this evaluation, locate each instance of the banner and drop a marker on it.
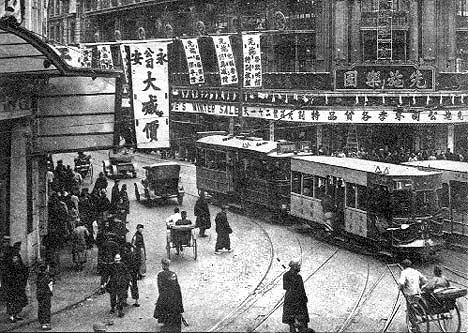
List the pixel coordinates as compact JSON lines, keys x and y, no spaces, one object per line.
{"x":329,"y":115}
{"x":150,"y":86}
{"x":105,"y":57}
{"x":86,"y":56}
{"x":226,"y":63}
{"x":126,"y":91}
{"x":252,"y":61}
{"x":194,"y":63}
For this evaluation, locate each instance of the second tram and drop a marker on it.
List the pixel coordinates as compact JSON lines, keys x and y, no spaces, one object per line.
{"x":394,"y":207}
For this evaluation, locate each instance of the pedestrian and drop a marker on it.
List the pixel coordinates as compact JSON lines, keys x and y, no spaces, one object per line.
{"x":138,"y":242}
{"x":102,"y":205}
{"x":201,"y":211}
{"x":115,"y":196}
{"x":100,"y":184}
{"x":174,"y":217}
{"x":410,"y":283}
{"x":437,"y":282}
{"x":44,"y":289}
{"x":295,"y":312}
{"x":169,"y":306}
{"x":223,"y":229}
{"x":123,"y":205}
{"x":79,"y":236}
{"x":182,"y":236}
{"x":116,"y":283}
{"x":15,"y":279}
{"x":6,"y":252}
{"x":129,"y":258}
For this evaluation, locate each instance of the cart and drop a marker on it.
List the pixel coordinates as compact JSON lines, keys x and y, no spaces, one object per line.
{"x":84,"y":166}
{"x":190,"y":238}
{"x":437,"y":307}
{"x":119,"y":165}
{"x":161,"y":182}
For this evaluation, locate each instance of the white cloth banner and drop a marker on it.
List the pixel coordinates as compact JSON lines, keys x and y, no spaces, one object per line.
{"x":194,"y":63}
{"x":105,"y":57}
{"x":226,"y":63}
{"x":150,"y":85}
{"x":252,"y":61}
{"x":86,"y":56}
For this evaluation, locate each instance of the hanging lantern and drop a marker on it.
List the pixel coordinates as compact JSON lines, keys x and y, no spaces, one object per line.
{"x":428,"y":100}
{"x":234,"y":97}
{"x":222,"y":95}
{"x":356,"y":100}
{"x":296,"y":97}
{"x":400,"y":99}
{"x":326,"y":99}
{"x":441,"y":100}
{"x":366,"y":100}
{"x":305,"y":99}
{"x":462,"y":99}
{"x":286,"y":99}
{"x":273,"y":98}
{"x":414,"y":99}
{"x":453,"y":99}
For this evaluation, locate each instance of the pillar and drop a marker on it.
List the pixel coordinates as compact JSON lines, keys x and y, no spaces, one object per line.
{"x":451,"y":35}
{"x":272,"y":130}
{"x":341,"y":30}
{"x":319,"y":136}
{"x":429,"y":32}
{"x":413,"y":18}
{"x":451,"y":137}
{"x":323,"y":35}
{"x":355,"y":48}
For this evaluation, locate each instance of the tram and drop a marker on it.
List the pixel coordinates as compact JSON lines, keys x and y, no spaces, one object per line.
{"x":393,"y":207}
{"x":454,"y":193}
{"x":247,"y":170}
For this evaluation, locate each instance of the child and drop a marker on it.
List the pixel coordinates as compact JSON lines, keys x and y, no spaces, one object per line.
{"x":45,"y":284}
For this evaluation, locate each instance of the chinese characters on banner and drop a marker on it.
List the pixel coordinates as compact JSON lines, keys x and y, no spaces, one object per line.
{"x":194,"y":63}
{"x":328,"y":116}
{"x":385,"y":78}
{"x":226,"y":64}
{"x":252,"y":61}
{"x":126,"y":91}
{"x":150,"y":85}
{"x":86,"y":56}
{"x":105,"y":57}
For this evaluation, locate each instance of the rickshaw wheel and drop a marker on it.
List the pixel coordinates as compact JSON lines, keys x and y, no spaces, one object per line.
{"x":137,"y":193}
{"x":422,"y":319}
{"x":450,"y":321}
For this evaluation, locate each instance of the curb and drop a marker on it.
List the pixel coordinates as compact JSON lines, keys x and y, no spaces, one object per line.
{"x":65,"y":308}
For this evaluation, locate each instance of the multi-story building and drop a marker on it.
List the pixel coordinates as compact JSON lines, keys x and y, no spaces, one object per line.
{"x":377,"y":74}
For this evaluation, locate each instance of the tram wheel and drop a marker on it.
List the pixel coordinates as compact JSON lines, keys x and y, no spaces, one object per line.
{"x":450,"y":321}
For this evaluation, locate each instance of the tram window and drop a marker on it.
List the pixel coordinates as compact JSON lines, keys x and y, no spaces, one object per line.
{"x":401,"y":203}
{"x":379,"y":201}
{"x":350,"y":195}
{"x":210,"y":159}
{"x":221,"y":161}
{"x":443,"y":194}
{"x":308,"y":186}
{"x":201,"y":157}
{"x":319,"y":187}
{"x":361,"y":197}
{"x":459,"y":196}
{"x":426,"y":202}
{"x":296,"y":182}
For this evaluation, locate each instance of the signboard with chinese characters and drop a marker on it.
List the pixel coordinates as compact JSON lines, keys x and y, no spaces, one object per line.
{"x":375,"y":77}
{"x":104,"y":57}
{"x":226,"y":63}
{"x":252,"y":61}
{"x":150,"y":85}
{"x":385,"y":115}
{"x":194,"y":63}
{"x":86,"y":56}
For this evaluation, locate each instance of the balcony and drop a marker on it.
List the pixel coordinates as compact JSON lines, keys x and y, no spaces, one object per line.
{"x":399,"y":20}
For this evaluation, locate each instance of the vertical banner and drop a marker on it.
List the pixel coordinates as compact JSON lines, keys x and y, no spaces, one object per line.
{"x":105,"y":57}
{"x":194,"y":63}
{"x":126,"y":91}
{"x":150,"y":94}
{"x":86,"y":56}
{"x":252,"y":61}
{"x":226,"y":64}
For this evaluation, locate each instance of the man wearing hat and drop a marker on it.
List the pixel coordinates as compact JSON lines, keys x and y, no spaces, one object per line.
{"x":44,"y":288}
{"x":6,"y":252}
{"x":223,"y":229}
{"x":139,"y":243}
{"x":410,"y":283}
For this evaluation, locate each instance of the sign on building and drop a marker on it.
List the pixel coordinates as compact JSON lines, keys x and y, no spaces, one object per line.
{"x":194,"y":62}
{"x":226,"y":63}
{"x":150,"y":86}
{"x":252,"y":61}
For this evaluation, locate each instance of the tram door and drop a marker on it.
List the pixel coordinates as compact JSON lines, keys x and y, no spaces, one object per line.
{"x":336,"y":190}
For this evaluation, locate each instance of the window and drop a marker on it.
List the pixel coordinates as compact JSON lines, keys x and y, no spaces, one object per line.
{"x":443,"y":195}
{"x":462,"y":7}
{"x":296,"y":182}
{"x":361,"y":197}
{"x":319,"y":187}
{"x":426,"y":203}
{"x":308,"y":186}
{"x":350,"y":195}
{"x":402,"y":203}
{"x":399,"y":45}
{"x":201,"y":157}
{"x":459,"y":194}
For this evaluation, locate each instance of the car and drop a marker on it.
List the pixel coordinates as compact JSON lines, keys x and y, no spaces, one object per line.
{"x":119,"y":165}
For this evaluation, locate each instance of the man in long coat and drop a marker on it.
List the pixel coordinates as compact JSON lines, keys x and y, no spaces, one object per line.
{"x":169,"y":306}
{"x":115,"y":195}
{"x":15,"y":279}
{"x":139,"y":243}
{"x":116,"y":283}
{"x":202,"y":213}
{"x":295,"y":312}
{"x":223,"y":229}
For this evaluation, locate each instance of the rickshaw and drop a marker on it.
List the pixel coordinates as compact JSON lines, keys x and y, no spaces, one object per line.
{"x":190,"y":237}
{"x":119,"y":165}
{"x":161,"y":182}
{"x":83,"y":165}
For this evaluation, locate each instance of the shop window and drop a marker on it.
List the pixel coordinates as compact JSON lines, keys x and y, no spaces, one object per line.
{"x":319,"y":187}
{"x":350,"y":195}
{"x":296,"y":182}
{"x":361,"y":197}
{"x":308,"y":186}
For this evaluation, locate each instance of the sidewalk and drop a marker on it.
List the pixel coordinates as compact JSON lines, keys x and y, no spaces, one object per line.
{"x":71,"y":288}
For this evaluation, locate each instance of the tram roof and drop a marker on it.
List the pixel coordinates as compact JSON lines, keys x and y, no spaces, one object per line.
{"x":160,"y":164}
{"x":441,"y":165}
{"x":250,"y":144}
{"x":366,"y":165}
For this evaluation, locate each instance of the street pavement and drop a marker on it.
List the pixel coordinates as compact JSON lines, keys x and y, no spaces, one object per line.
{"x":239,"y":291}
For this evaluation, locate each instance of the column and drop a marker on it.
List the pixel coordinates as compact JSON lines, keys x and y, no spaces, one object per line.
{"x":451,"y":137}
{"x":413,"y":17}
{"x":341,"y":30}
{"x":429,"y":32}
{"x":451,"y":35}
{"x":322,"y":36}
{"x":355,"y":31}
